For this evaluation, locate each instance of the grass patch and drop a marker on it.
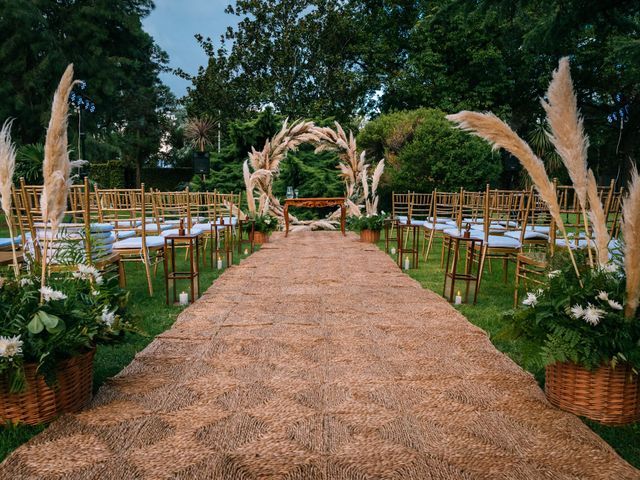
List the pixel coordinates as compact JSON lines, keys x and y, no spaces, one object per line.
{"x":494,"y":298}
{"x":154,"y":316}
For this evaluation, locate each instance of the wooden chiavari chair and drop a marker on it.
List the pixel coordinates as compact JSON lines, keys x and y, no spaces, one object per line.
{"x":503,"y":212}
{"x":444,"y":212}
{"x":126,"y":210}
{"x":79,"y":239}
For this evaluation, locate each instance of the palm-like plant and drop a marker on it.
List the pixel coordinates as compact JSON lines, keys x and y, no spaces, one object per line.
{"x":198,"y":130}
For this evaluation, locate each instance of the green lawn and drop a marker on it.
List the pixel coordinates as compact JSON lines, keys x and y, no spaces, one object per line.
{"x":494,"y":298}
{"x":154,"y":317}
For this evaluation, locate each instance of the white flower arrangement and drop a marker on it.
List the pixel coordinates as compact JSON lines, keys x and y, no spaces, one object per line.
{"x":25,"y":282}
{"x":615,"y":305}
{"x":592,"y":315}
{"x":108,"y":317}
{"x":531,"y":299}
{"x":10,"y":346}
{"x":88,"y":273}
{"x":577,"y":312}
{"x":604,"y":296}
{"x":49,"y":294}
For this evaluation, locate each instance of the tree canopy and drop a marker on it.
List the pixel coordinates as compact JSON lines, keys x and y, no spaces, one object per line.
{"x":321,"y":58}
{"x":118,"y":60}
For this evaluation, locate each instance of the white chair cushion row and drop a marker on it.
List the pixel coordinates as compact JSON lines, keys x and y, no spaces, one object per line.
{"x":498,"y":241}
{"x":6,"y":242}
{"x":441,"y":219}
{"x":153,"y":227}
{"x":125,"y":222}
{"x":454,"y":232}
{"x":152,"y":241}
{"x":204,"y":228}
{"x":436,"y":226}
{"x":573,"y":244}
{"x":123,"y":234}
{"x":528,"y":235}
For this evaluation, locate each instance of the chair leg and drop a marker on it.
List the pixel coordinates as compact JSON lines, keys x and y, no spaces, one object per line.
{"x":431,"y":233}
{"x":122,"y":275}
{"x":483,"y":256}
{"x":148,"y":273}
{"x":517,"y":284}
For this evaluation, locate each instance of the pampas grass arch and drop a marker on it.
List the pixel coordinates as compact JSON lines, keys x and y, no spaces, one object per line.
{"x":263,"y":166}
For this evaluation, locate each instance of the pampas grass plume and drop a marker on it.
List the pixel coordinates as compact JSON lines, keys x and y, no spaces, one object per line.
{"x":598,"y":220}
{"x":631,"y":233}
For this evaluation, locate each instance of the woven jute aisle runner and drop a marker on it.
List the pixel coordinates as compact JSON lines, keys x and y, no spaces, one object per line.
{"x":317,"y":358}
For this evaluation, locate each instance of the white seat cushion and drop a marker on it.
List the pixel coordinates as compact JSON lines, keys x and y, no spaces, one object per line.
{"x":125,"y":222}
{"x":436,"y":226}
{"x":546,"y":229}
{"x":573,"y":244}
{"x":136,"y":242}
{"x":123,"y":234}
{"x":454,"y":232}
{"x":204,"y":228}
{"x":153,"y":227}
{"x":497,"y":241}
{"x":528,"y":235}
{"x":6,"y":242}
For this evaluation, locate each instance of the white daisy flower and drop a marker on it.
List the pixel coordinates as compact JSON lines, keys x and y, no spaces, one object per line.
{"x":610,"y":268}
{"x":49,"y":294}
{"x":25,"y":282}
{"x":108,"y":317}
{"x":554,"y":273}
{"x":95,"y":293}
{"x":88,"y":272}
{"x":531,"y":299}
{"x":602,"y":295}
{"x":615,"y":305}
{"x":10,"y":346}
{"x":577,"y":311}
{"x":593,"y":315}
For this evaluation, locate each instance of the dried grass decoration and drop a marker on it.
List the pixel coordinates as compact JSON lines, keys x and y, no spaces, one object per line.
{"x":631,"y":233}
{"x":263,"y":165}
{"x":7,"y":167}
{"x":56,"y":167}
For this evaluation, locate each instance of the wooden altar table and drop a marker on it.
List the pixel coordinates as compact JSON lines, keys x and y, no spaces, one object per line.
{"x":314,"y":203}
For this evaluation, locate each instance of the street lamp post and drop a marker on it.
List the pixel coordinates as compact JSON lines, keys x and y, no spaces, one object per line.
{"x":80,"y":101}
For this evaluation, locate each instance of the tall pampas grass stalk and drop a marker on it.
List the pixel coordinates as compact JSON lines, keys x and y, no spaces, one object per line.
{"x":631,"y":233}
{"x":56,"y":167}
{"x":598,"y":220}
{"x":567,"y":135}
{"x":490,"y":128}
{"x":7,"y":167}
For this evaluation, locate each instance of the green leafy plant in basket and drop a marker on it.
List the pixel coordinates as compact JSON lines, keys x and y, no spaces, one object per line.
{"x":374,"y":223}
{"x":71,"y":314}
{"x":264,"y":223}
{"x":585,"y":325}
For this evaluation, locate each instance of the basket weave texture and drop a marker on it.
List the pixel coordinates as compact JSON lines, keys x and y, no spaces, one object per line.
{"x":606,"y":395}
{"x":369,"y":236}
{"x":259,"y":238}
{"x":40,"y":403}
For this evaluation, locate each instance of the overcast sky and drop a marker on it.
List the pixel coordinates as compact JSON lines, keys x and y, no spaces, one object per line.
{"x":173,"y":24}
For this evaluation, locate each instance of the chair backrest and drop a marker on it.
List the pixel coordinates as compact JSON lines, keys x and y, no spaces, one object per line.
{"x":470,"y":208}
{"x":420,"y":206}
{"x":126,"y":209}
{"x":399,"y":205}
{"x":77,"y":238}
{"x":172,"y":208}
{"x":445,"y":205}
{"x":505,"y":211}
{"x":227,"y":204}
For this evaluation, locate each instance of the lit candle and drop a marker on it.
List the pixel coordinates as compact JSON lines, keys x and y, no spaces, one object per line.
{"x":407,"y":263}
{"x":184,"y":298}
{"x":219,"y":263}
{"x":393,"y":250}
{"x":458,"y":299}
{"x":246,"y":251}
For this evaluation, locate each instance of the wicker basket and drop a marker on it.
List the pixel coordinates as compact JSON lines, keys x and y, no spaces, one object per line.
{"x":259,"y":238}
{"x":606,"y":395}
{"x":369,"y":236}
{"x":40,"y":403}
